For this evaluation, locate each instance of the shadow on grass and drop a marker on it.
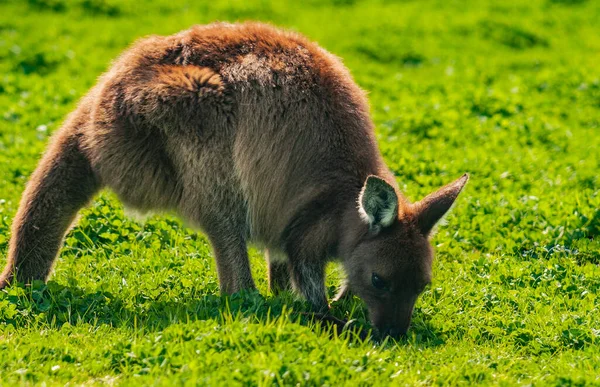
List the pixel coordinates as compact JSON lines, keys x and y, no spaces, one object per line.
{"x":55,"y":304}
{"x":580,"y":243}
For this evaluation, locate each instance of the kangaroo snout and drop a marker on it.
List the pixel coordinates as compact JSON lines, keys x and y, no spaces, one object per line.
{"x":396,"y":332}
{"x":395,"y":324}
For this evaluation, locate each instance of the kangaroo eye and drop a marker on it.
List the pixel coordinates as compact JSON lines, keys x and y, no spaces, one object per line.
{"x":377,"y":282}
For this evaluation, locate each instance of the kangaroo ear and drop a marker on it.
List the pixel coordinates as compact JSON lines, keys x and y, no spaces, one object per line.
{"x":431,"y":209}
{"x":378,"y":203}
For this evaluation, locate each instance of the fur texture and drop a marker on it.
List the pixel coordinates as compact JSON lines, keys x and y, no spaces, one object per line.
{"x":251,"y":134}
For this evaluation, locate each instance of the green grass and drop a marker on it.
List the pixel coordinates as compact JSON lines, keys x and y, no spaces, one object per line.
{"x":507,"y":91}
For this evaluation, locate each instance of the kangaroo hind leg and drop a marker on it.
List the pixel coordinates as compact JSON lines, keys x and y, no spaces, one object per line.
{"x":62,"y":183}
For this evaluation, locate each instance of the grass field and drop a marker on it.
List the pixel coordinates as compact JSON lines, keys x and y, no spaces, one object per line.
{"x":507,"y":91}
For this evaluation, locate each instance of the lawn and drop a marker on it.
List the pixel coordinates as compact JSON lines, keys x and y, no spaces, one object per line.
{"x":506,"y":91}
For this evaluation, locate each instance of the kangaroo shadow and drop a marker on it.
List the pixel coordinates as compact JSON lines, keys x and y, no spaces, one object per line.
{"x":57,"y":304}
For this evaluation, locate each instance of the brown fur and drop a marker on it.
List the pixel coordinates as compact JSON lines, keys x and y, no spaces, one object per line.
{"x":251,"y":134}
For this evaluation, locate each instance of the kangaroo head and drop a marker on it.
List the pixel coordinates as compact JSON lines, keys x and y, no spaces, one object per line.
{"x":389,"y":260}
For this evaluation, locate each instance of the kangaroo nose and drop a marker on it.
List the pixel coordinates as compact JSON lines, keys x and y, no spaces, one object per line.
{"x":395,"y":332}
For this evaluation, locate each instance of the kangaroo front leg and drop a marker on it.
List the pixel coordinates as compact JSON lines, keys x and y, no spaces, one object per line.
{"x":308,"y":278}
{"x":233,"y":265}
{"x":344,"y":293}
{"x":62,"y":183}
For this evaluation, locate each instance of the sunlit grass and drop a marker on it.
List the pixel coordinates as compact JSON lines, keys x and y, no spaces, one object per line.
{"x":507,"y":91}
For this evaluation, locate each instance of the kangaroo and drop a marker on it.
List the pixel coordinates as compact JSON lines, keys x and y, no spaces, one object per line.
{"x":250,"y":134}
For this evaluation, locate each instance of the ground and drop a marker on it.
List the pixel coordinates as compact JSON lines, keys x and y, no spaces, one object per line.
{"x":507,"y":91}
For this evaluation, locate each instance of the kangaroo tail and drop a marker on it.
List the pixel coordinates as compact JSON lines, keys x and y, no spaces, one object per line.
{"x":62,"y":183}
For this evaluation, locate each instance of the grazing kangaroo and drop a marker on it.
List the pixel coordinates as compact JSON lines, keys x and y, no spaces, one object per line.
{"x":249,"y":133}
